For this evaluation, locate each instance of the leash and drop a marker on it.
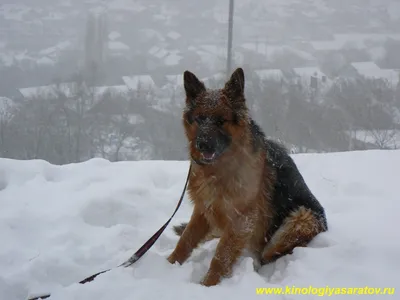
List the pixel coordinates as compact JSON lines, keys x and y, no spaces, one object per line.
{"x":140,"y":252}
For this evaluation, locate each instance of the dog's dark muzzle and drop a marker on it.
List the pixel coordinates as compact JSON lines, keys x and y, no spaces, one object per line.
{"x":207,"y":146}
{"x":211,"y":143}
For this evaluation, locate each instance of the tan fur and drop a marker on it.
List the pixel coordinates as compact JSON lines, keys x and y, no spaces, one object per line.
{"x":297,"y":231}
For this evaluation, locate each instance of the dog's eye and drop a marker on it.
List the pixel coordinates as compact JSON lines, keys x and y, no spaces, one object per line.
{"x":200,"y":119}
{"x":220,"y":121}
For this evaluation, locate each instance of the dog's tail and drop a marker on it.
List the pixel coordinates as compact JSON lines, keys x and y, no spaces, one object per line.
{"x":179,"y":229}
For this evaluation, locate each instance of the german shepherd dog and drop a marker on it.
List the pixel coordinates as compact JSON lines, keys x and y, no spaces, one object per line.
{"x":246,"y":189}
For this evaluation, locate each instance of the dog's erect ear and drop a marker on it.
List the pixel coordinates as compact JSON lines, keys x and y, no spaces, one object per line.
{"x":235,"y":85}
{"x":193,"y":86}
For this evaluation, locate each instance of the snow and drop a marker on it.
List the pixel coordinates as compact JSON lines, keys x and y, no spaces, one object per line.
{"x":60,"y":224}
{"x":352,"y":40}
{"x":369,"y":69}
{"x":133,"y":82}
{"x":52,"y":90}
{"x":173,"y":58}
{"x":158,"y":52}
{"x":114,"y":90}
{"x":119,"y":89}
{"x":275,"y":74}
{"x":148,"y":33}
{"x":57,"y":48}
{"x":269,"y":51}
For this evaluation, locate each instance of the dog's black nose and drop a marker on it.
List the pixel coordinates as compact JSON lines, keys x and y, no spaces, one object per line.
{"x":204,"y":146}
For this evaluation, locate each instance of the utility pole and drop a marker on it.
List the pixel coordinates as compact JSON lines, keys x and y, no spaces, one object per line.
{"x":230,"y":32}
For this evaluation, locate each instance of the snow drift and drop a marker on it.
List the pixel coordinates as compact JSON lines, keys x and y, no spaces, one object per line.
{"x":60,"y":224}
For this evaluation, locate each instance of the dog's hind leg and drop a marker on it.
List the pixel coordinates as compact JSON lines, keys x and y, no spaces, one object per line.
{"x":297,"y":230}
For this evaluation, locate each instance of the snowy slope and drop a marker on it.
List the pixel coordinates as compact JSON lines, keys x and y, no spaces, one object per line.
{"x":60,"y":224}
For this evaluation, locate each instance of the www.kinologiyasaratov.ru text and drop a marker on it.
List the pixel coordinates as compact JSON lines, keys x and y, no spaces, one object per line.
{"x":325,"y":291}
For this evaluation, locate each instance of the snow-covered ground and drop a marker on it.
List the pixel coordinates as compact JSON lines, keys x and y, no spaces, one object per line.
{"x":60,"y":224}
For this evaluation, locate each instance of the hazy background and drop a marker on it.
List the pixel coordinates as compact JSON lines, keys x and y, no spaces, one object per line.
{"x":82,"y":79}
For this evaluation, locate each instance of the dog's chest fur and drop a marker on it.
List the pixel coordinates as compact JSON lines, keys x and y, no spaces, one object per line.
{"x":223,"y":194}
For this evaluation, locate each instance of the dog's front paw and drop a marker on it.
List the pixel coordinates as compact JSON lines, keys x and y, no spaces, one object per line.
{"x":172,"y":258}
{"x":211,"y":279}
{"x":177,"y":256}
